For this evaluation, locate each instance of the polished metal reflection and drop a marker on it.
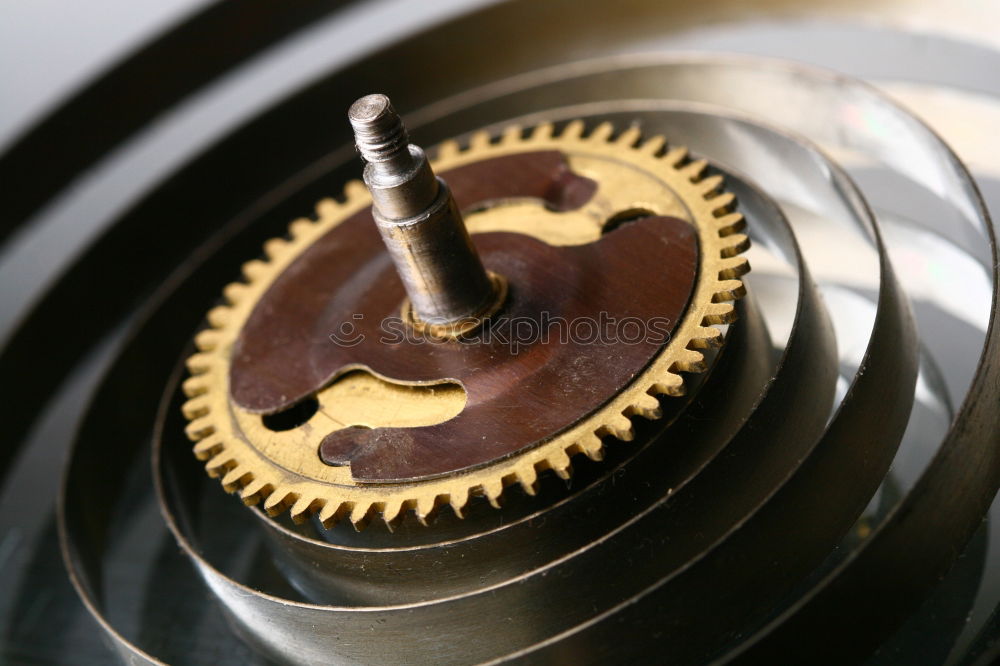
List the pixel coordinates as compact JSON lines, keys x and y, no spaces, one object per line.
{"x":806,"y":356}
{"x":419,"y":222}
{"x":286,"y":620}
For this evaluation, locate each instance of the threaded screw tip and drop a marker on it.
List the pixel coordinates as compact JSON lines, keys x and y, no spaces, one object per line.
{"x":378,"y":130}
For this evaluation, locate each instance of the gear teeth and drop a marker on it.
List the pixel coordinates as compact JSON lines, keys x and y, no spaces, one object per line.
{"x":670,"y":384}
{"x":480,"y":140}
{"x":234,"y":292}
{"x":719,"y":313}
{"x":654,"y":145}
{"x":730,"y":290}
{"x":299,"y":227}
{"x":711,"y":185}
{"x":724,"y":203}
{"x":619,"y":427}
{"x":694,"y":170}
{"x":720,"y":226}
{"x":207,"y":340}
{"x":691,"y":360}
{"x":279,"y":500}
{"x":236,"y":478}
{"x":354,"y":189}
{"x":458,"y":500}
{"x":493,"y":489}
{"x":573,"y":130}
{"x":219,"y":316}
{"x":630,"y":138}
{"x":735,"y":244}
{"x":676,"y":156}
{"x":196,"y":408}
{"x":326,"y":208}
{"x":199,"y":364}
{"x":275,"y":248}
{"x":602,"y":132}
{"x":426,"y":509}
{"x":255,"y":269}
{"x":448,"y":149}
{"x":646,"y":406}
{"x":252,"y":493}
{"x":511,"y":134}
{"x":559,"y":463}
{"x":734,"y":267}
{"x":333,"y":512}
{"x":200,"y":428}
{"x":707,"y":337}
{"x":392,"y":514}
{"x":527,"y":476}
{"x":207,"y":448}
{"x":304,"y":507}
{"x":328,"y":514}
{"x":361,"y":515}
{"x":543,"y":132}
{"x":220,"y":463}
{"x":590,"y":445}
{"x":731,"y":223}
{"x":194,"y":386}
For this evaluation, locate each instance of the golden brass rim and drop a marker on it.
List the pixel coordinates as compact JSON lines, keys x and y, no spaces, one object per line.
{"x":284,"y":478}
{"x":462,"y":327}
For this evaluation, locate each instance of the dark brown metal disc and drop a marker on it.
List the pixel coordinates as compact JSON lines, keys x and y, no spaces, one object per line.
{"x":579,"y":324}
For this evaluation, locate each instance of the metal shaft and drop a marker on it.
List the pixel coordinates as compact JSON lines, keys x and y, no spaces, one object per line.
{"x":418,"y":219}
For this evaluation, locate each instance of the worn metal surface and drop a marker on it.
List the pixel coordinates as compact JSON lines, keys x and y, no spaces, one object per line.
{"x":569,"y":267}
{"x":876,"y":580}
{"x":447,"y":287}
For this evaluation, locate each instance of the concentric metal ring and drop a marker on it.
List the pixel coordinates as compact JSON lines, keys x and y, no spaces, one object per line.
{"x":114,"y":239}
{"x":565,"y":628}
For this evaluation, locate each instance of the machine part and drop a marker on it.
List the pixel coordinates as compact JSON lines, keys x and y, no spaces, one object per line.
{"x":450,"y":293}
{"x":148,"y":599}
{"x":250,"y":365}
{"x":476,"y":552}
{"x":714,"y":515}
{"x":252,"y":606}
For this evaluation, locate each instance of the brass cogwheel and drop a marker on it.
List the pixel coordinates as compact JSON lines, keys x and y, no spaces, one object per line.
{"x":282,"y":468}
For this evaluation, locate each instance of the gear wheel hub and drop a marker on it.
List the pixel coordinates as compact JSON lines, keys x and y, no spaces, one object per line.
{"x":613,"y":260}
